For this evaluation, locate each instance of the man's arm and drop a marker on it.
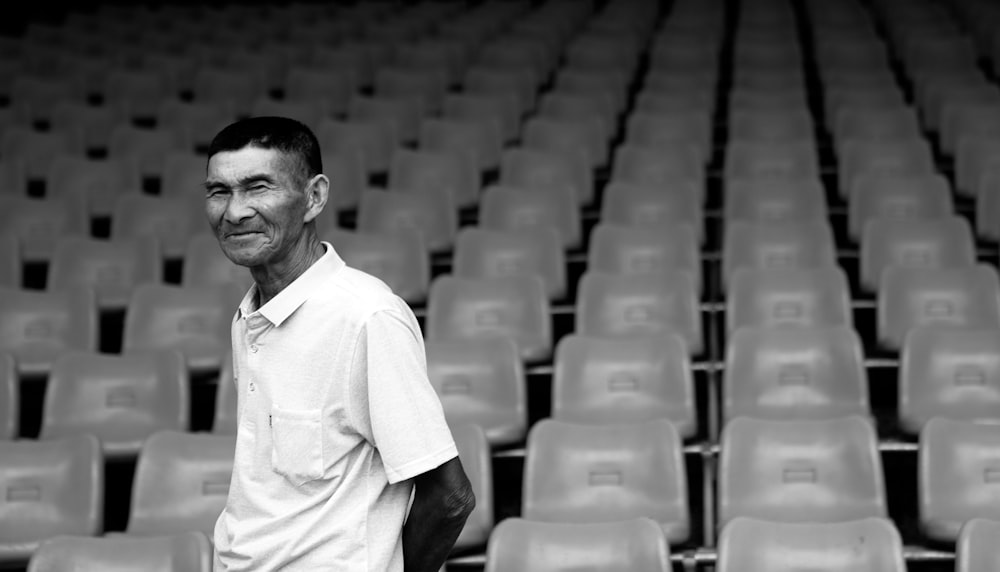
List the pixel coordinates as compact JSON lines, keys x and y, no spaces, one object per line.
{"x":442,"y":501}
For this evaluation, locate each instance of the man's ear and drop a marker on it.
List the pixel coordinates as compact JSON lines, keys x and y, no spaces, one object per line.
{"x":317,"y":193}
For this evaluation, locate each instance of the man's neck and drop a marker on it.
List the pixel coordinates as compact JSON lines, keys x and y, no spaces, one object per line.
{"x":273,"y":279}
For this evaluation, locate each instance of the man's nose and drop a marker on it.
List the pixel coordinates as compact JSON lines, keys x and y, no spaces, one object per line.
{"x":238,"y":208}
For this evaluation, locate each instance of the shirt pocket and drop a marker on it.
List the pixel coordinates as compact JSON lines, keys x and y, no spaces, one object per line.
{"x":297,"y":444}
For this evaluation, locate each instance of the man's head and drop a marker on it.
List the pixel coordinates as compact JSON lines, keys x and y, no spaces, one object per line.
{"x":264,"y":188}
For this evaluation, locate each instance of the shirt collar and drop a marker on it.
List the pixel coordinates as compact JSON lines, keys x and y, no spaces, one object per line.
{"x":284,"y":304}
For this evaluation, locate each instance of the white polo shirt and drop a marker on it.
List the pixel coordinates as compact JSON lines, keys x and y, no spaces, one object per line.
{"x":336,"y":414}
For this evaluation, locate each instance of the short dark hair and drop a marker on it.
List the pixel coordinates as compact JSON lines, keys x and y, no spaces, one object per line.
{"x":281,"y":133}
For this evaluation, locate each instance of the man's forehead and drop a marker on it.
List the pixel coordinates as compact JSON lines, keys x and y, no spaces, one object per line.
{"x":250,"y":161}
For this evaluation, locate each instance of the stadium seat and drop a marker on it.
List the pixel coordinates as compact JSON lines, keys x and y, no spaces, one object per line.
{"x":794,"y":373}
{"x":50,"y":488}
{"x":147,"y":147}
{"x":205,"y":264}
{"x":560,"y":105}
{"x":610,"y":83}
{"x":172,"y":221}
{"x":375,"y":138}
{"x":884,"y":197}
{"x":575,"y":473}
{"x":184,"y":175}
{"x":875,"y":124}
{"x":35,"y":97}
{"x":483,"y":253}
{"x":907,"y":157}
{"x":120,"y":399}
{"x":136,"y":93}
{"x":988,"y":205}
{"x":631,"y":250}
{"x":625,"y":306}
{"x":10,"y":404}
{"x":474,"y":453}
{"x":432,"y":216}
{"x":10,"y":262}
{"x":402,"y":113}
{"x":427,"y":85}
{"x":110,"y":268}
{"x":515,"y":308}
{"x":40,"y":326}
{"x":481,"y":382}
{"x":936,"y":243}
{"x":480,"y":140}
{"x":96,"y":184}
{"x":788,"y":296}
{"x":37,"y":224}
{"x":36,"y":150}
{"x":348,"y":176}
{"x":399,"y":259}
{"x":975,"y":156}
{"x":181,"y":483}
{"x":949,"y":373}
{"x":512,"y":209}
{"x":543,"y":170}
{"x":520,"y":83}
{"x":611,"y":381}
{"x":192,"y":320}
{"x":233,"y":88}
{"x":773,"y":126}
{"x":310,"y":113}
{"x":805,"y":471}
{"x":750,"y":159}
{"x":328,"y":85}
{"x":94,"y":124}
{"x":693,"y":100}
{"x":201,"y":120}
{"x":957,"y":475}
{"x":796,"y":244}
{"x":518,"y":545}
{"x":627,"y":204}
{"x":864,"y":545}
{"x":435,"y":172}
{"x":581,"y":136}
{"x":768,"y":199}
{"x":976,"y":548}
{"x":13,"y":177}
{"x":185,"y":552}
{"x":657,"y":130}
{"x":500,"y":107}
{"x":660,"y":166}
{"x":940,"y":297}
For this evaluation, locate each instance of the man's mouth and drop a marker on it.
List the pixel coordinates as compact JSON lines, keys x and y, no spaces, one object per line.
{"x":242,"y":233}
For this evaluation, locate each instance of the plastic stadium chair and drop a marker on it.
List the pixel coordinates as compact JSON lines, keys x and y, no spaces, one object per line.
{"x":483,"y":253}
{"x":474,"y":453}
{"x":610,"y":381}
{"x":40,"y":326}
{"x":558,"y":104}
{"x":427,"y":85}
{"x":181,"y":483}
{"x":200,"y":119}
{"x":975,"y":157}
{"x":481,"y":382}
{"x":695,"y":101}
{"x":908,"y":157}
{"x":205,"y":264}
{"x":348,"y":176}
{"x":515,"y":308}
{"x":656,"y":130}
{"x":13,"y":177}
{"x":120,"y":399}
{"x":94,"y":124}
{"x":96,"y":184}
{"x":894,"y":197}
{"x":976,"y":548}
{"x":310,"y":113}
{"x":770,"y":200}
{"x":50,"y":488}
{"x":617,"y":249}
{"x":949,"y":373}
{"x":580,"y":474}
{"x":450,"y":173}
{"x":940,"y":297}
{"x":330,"y":86}
{"x":521,"y":83}
{"x":513,"y":209}
{"x":136,"y":93}
{"x":10,"y":262}
{"x":776,"y":244}
{"x":875,"y":124}
{"x":816,"y":471}
{"x":436,"y":54}
{"x":481,"y":140}
{"x":172,"y":221}
{"x":400,"y":260}
{"x":865,"y":545}
{"x":432,"y":216}
{"x":185,"y":552}
{"x":10,"y":405}
{"x":776,"y":126}
{"x":625,"y":306}
{"x":788,"y":296}
{"x":627,"y":204}
{"x":192,"y":320}
{"x":234,"y":88}
{"x":35,"y":97}
{"x":110,"y":268}
{"x":37,"y":224}
{"x":794,"y":373}
{"x":940,"y":243}
{"x":501,"y":107}
{"x":748,"y":159}
{"x":543,"y":170}
{"x":988,"y":205}
{"x":184,"y":175}
{"x":661,"y":165}
{"x":518,"y":545}
{"x":375,"y":138}
{"x":581,"y":136}
{"x":401,"y":112}
{"x":957,"y":475}
{"x":36,"y":150}
{"x":147,"y":147}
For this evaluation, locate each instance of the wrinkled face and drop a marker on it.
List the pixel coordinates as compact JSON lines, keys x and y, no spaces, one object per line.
{"x":254,"y":205}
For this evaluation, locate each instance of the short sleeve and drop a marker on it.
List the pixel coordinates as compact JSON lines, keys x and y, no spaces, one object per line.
{"x":403,"y":414}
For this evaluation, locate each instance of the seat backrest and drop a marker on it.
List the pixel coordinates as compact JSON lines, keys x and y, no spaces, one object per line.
{"x":10,"y":262}
{"x":39,"y":326}
{"x":777,"y":126}
{"x":514,"y":209}
{"x":332,"y":86}
{"x":519,"y":545}
{"x":801,"y":471}
{"x":949,"y":373}
{"x":206,"y":264}
{"x":183,"y":175}
{"x":617,"y":249}
{"x":483,"y":253}
{"x":480,"y":139}
{"x":959,"y":466}
{"x":376,"y":139}
{"x":657,"y":165}
{"x":794,"y":373}
{"x":897,"y":197}
{"x":10,"y":404}
{"x":609,"y":381}
{"x":769,"y":199}
{"x":948,"y":297}
{"x":628,"y":306}
{"x":543,"y":170}
{"x":865,"y":545}
{"x":50,"y":488}
{"x":403,"y":113}
{"x":935,"y":243}
{"x":147,"y":146}
{"x":647,"y":129}
{"x":110,"y":268}
{"x":515,"y":307}
{"x":655,"y":205}
{"x":39,"y":223}
{"x":580,"y":136}
{"x":96,"y":183}
{"x":908,"y":157}
{"x":184,"y":552}
{"x":795,"y":244}
{"x":976,"y":550}
{"x":432,"y":216}
{"x":502,"y":107}
{"x":788,"y":297}
{"x":172,"y":220}
{"x":181,"y":483}
{"x":576,"y":473}
{"x":474,"y":453}
{"x":754,"y":159}
{"x":401,"y":260}
{"x":445,"y":172}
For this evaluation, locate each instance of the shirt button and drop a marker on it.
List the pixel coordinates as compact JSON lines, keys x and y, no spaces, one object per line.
{"x":253,"y":348}
{"x":251,"y":386}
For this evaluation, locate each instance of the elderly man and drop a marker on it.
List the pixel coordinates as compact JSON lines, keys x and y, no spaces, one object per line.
{"x":338,"y":424}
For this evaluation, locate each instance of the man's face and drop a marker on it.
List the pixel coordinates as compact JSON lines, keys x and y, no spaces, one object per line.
{"x":255,"y":205}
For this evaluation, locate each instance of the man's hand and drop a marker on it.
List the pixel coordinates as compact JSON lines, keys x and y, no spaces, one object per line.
{"x":442,"y":501}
